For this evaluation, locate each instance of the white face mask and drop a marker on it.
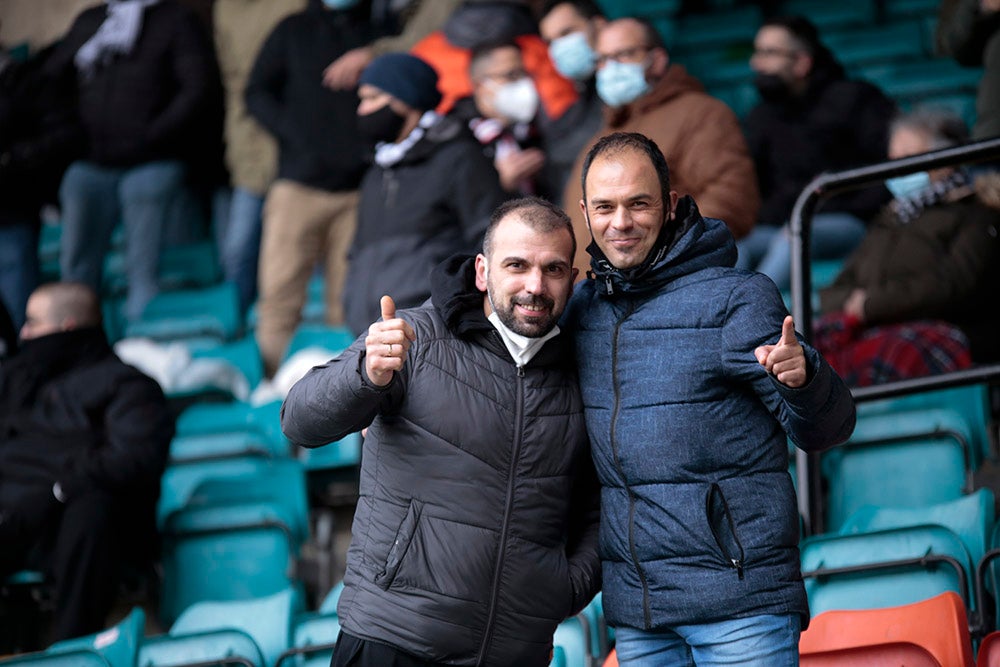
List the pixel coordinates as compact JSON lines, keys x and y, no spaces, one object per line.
{"x":516,"y":101}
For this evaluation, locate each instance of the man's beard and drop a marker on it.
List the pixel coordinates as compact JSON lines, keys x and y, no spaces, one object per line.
{"x":536,"y":327}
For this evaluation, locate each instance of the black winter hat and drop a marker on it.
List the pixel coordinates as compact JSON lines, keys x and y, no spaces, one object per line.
{"x":405,"y":77}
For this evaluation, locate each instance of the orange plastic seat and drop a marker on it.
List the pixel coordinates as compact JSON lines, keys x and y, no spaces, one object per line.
{"x":611,"y":660}
{"x":989,"y":651}
{"x":931,"y":632}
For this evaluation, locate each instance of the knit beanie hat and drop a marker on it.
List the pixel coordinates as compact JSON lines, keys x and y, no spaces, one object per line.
{"x":405,"y":77}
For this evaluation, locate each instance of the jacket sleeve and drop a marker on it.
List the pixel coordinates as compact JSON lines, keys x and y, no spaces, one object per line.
{"x":263,"y":95}
{"x":582,"y":544}
{"x":475,"y":193}
{"x":820,"y":414}
{"x":955,"y":275}
{"x":716,"y":156}
{"x":193,"y":68}
{"x":336,"y":399}
{"x":138,"y":427}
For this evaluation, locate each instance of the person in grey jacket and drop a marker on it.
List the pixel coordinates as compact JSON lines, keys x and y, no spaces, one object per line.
{"x":475,"y":533}
{"x":691,"y":395}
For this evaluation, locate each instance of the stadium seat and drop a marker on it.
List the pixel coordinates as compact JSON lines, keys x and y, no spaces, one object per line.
{"x":76,"y":658}
{"x":314,"y":635}
{"x":215,"y":647}
{"x":573,"y":637}
{"x":931,"y":633}
{"x":889,"y":43}
{"x":989,"y":651}
{"x":720,"y":30}
{"x":243,"y":354}
{"x":232,"y":417}
{"x":330,"y":338}
{"x":191,"y":448}
{"x":119,"y":644}
{"x":884,"y":568}
{"x":832,"y":17}
{"x":205,"y":315}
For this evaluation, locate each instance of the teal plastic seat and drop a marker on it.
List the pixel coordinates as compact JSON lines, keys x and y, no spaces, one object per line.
{"x":188,"y":448}
{"x":204,"y":314}
{"x":601,"y":635}
{"x":884,"y":568}
{"x":213,"y":647}
{"x":331,"y":598}
{"x":243,"y":354}
{"x":75,"y":658}
{"x":181,"y":479}
{"x":724,"y":29}
{"x":573,"y":637}
{"x":916,"y":80}
{"x":314,"y":636}
{"x":189,"y":265}
{"x":119,"y":644}
{"x":970,"y":517}
{"x":332,"y":339}
{"x":232,"y":417}
{"x":886,"y":43}
{"x":344,"y":453}
{"x":832,"y":16}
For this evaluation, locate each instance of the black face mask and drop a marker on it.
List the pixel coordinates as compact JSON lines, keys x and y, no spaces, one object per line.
{"x":383,"y":124}
{"x":772,"y":88}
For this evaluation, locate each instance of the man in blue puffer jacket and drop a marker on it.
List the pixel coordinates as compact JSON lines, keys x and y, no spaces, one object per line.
{"x":692,"y":378}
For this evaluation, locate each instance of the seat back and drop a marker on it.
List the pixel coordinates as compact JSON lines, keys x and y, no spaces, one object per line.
{"x":213,"y":647}
{"x":573,"y":637}
{"x":884,"y":568}
{"x":989,"y":651}
{"x":119,"y":645}
{"x":929,"y":632}
{"x":80,"y":657}
{"x":314,"y":636}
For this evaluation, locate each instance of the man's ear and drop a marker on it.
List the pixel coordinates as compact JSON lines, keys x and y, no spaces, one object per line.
{"x":583,"y":209}
{"x":481,"y":272}
{"x":658,"y":63}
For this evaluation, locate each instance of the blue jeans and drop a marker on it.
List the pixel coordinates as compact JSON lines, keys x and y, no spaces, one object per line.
{"x":18,"y":267}
{"x":755,"y":641}
{"x":239,"y":243}
{"x":768,"y":249}
{"x":93,"y":198}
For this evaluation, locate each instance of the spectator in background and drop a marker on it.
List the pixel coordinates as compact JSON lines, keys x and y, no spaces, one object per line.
{"x":311,"y":209}
{"x":429,"y":194}
{"x":83,"y":444}
{"x":241,"y":26}
{"x":501,"y":113}
{"x":919,"y":294}
{"x":419,"y":18}
{"x":969,"y":31}
{"x":810,"y":119}
{"x":570,"y":29}
{"x":39,"y":136}
{"x":146,"y":80}
{"x":698,"y":133}
{"x":8,"y":334}
{"x":478,"y":23}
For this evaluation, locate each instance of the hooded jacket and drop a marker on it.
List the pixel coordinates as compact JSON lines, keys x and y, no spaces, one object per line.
{"x":700,"y":137}
{"x":699,"y":519}
{"x":475,"y":530}
{"x":434,"y":202}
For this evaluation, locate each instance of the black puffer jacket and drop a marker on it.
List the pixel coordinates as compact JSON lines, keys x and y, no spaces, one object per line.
{"x":435,"y":202}
{"x":475,"y":533}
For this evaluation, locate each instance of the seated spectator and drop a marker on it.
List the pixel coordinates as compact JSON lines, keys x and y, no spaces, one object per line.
{"x":969,"y":31}
{"x":570,"y":29}
{"x":83,"y":444}
{"x":501,"y":113}
{"x":918,"y":296}
{"x":810,"y":119}
{"x":311,"y":209}
{"x":478,"y":23}
{"x":418,"y":18}
{"x":701,"y":137}
{"x":429,"y":194}
{"x":147,"y":82}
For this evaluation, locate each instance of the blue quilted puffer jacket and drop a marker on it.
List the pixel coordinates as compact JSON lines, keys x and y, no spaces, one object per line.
{"x":688,"y":431}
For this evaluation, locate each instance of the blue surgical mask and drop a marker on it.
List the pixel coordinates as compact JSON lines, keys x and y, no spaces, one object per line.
{"x":903,"y":187}
{"x":572,"y":56}
{"x":340,"y":4}
{"x":621,"y":83}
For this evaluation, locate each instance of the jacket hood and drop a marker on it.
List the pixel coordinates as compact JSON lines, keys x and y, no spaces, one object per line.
{"x":476,"y":23}
{"x":454,"y":295}
{"x":693,"y":244}
{"x":675,"y":82}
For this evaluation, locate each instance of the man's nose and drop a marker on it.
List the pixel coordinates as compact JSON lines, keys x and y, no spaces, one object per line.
{"x":621,"y":219}
{"x":533,"y":282}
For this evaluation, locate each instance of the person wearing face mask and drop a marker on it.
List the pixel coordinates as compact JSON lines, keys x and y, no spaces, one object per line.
{"x":810,"y":119}
{"x":701,"y":136}
{"x":429,"y":193}
{"x":310,"y":210}
{"x":570,"y":29}
{"x":502,"y":113}
{"x":919,"y":293}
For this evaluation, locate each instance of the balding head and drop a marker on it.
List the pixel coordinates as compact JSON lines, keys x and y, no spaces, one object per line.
{"x":631,"y":40}
{"x":56,"y":307}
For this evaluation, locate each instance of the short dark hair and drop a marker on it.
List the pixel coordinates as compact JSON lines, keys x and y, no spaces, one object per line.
{"x":541,"y":215}
{"x":588,"y":9}
{"x":806,"y":35}
{"x":654,"y":40}
{"x":620,"y":142}
{"x":942,"y":126}
{"x":484,"y":51}
{"x":72,"y":300}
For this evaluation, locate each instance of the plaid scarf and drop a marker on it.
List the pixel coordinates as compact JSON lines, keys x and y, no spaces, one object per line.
{"x":908,"y":209}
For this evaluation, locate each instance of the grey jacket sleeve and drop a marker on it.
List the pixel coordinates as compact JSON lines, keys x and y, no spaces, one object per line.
{"x":335,"y":399}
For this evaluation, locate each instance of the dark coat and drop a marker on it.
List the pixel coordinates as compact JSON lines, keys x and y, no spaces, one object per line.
{"x":315,"y":127}
{"x":72,"y":412}
{"x":944,"y":265}
{"x":836,"y":125}
{"x":437,"y":201}
{"x":475,"y":532}
{"x":156,"y":103}
{"x":689,"y":432}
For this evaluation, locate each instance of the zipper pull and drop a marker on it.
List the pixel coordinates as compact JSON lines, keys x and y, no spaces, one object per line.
{"x":738,"y":564}
{"x":520,"y":371}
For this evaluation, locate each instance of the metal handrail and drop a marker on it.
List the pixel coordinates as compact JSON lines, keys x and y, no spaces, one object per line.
{"x":799,"y":227}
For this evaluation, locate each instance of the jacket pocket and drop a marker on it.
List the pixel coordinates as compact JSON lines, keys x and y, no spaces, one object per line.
{"x":404,"y":536}
{"x":720,"y":521}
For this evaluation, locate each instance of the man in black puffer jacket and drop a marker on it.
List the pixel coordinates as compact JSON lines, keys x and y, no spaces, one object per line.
{"x":83,"y":443}
{"x":475,"y":533}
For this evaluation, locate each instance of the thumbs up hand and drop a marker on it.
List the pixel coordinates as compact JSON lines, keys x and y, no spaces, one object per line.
{"x":387,"y":344}
{"x":786,"y":360}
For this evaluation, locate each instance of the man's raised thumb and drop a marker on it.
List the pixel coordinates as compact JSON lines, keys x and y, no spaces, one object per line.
{"x":388,"y":308}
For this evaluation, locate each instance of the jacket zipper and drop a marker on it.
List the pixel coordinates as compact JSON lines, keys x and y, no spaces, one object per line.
{"x":735,"y":562}
{"x":515,"y":453}
{"x":647,"y":613}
